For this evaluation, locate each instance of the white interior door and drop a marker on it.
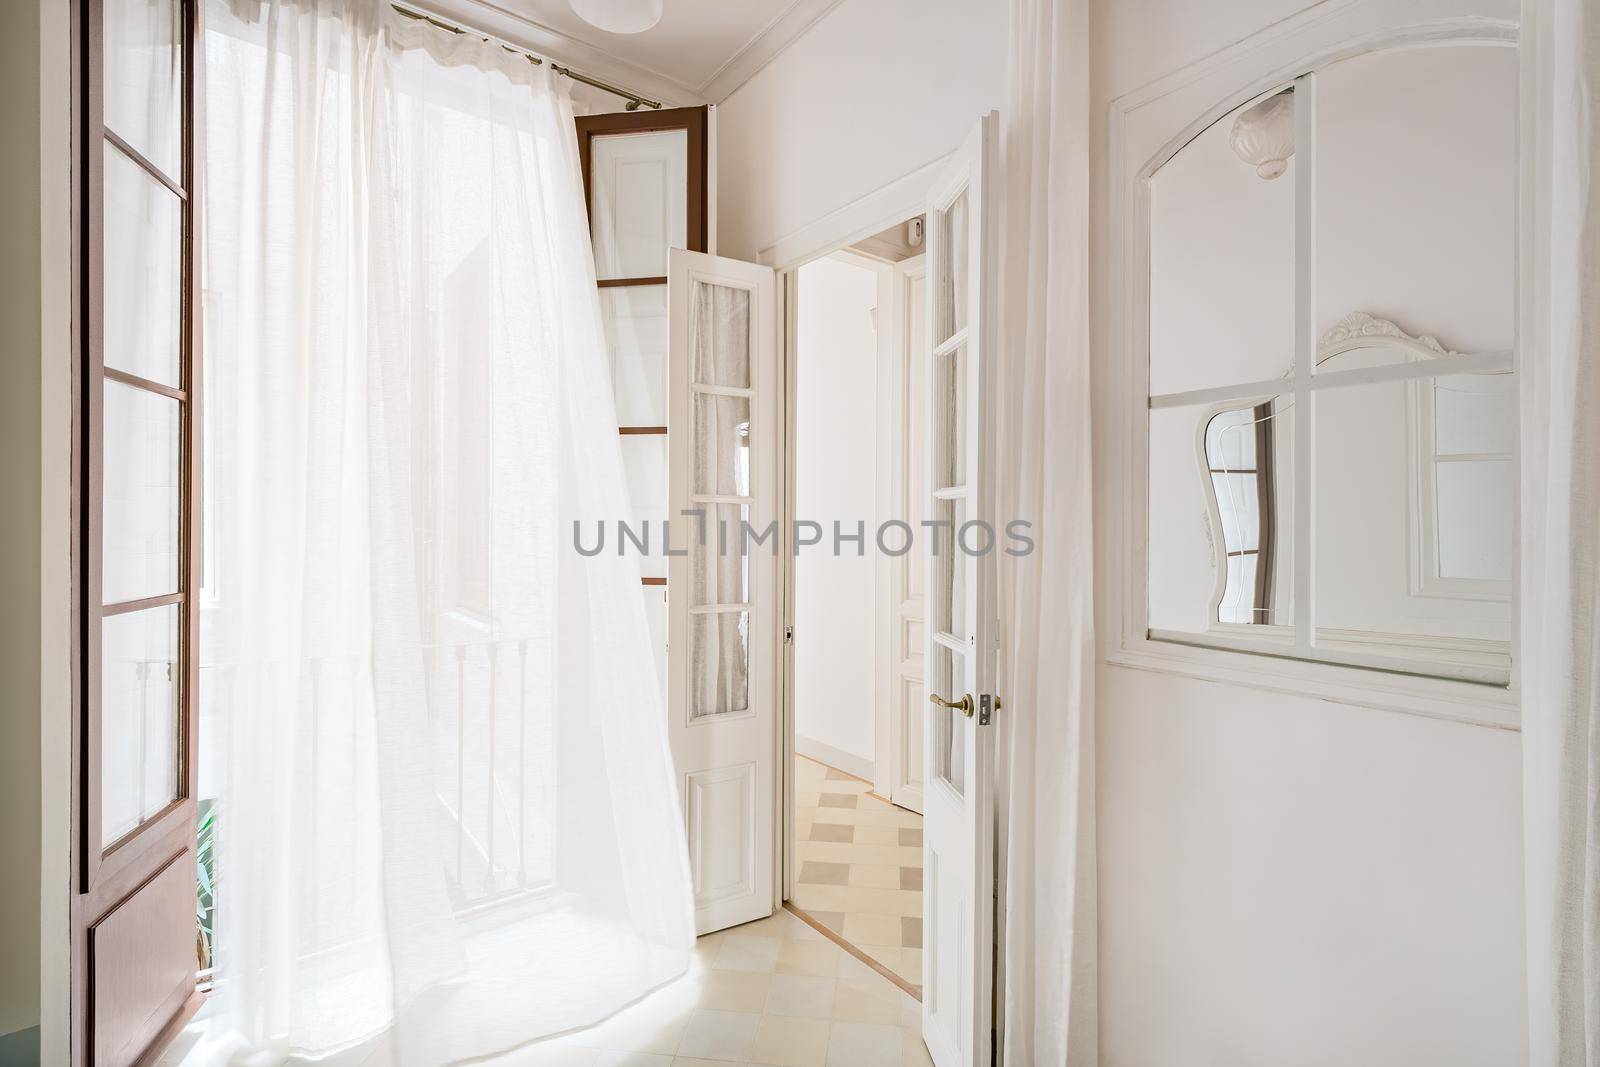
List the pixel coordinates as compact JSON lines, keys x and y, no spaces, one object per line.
{"x":723,"y":452}
{"x":959,"y":661}
{"x":908,"y":693}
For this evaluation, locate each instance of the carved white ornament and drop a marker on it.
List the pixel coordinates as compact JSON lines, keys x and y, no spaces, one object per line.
{"x":1358,"y":327}
{"x":1263,"y":136}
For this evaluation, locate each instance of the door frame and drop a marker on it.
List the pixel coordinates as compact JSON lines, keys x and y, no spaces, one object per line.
{"x":859,"y":219}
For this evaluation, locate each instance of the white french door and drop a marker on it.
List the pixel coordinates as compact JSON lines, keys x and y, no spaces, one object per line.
{"x":724,"y":447}
{"x":959,"y":657}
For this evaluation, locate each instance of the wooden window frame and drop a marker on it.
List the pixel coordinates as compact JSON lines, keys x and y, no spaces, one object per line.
{"x":693,"y":120}
{"x":107,"y":876}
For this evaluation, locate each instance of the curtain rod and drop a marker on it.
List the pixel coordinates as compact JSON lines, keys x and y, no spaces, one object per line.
{"x":635,"y":100}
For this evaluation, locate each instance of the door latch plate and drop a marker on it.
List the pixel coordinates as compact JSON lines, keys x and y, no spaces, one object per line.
{"x":985,"y":708}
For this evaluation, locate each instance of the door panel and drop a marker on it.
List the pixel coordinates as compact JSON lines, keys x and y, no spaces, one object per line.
{"x":142,"y":958}
{"x":960,"y":630}
{"x":137,"y":550}
{"x":723,"y":446}
{"x":906,"y":580}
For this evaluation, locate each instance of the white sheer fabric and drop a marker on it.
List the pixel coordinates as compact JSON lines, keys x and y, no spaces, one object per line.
{"x":719,"y":642}
{"x":447,"y":810}
{"x":1560,"y":524}
{"x":1048,"y":828}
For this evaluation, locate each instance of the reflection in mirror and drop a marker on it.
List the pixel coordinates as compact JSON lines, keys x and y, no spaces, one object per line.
{"x":1241,"y":459}
{"x":1222,"y":245}
{"x":1402,"y":553}
{"x":1221,"y":516}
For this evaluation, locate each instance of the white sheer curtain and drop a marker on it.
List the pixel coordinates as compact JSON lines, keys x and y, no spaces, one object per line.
{"x":1560,"y":641}
{"x":446,"y":802}
{"x":1048,"y":826}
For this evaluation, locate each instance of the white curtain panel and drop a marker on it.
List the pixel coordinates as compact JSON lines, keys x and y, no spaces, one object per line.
{"x":1048,"y":824}
{"x":447,"y":814}
{"x":1560,"y":524}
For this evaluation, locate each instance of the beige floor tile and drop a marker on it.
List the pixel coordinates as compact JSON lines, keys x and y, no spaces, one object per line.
{"x":873,"y":875}
{"x":864,"y":1045}
{"x":720,"y":1035}
{"x":801,"y":995}
{"x":608,"y":1058}
{"x":793,"y":1042}
{"x":913,"y":1051}
{"x":862,"y":928}
{"x":733,"y":991}
{"x":820,"y":957}
{"x":869,"y":834}
{"x":883,"y":901}
{"x":743,"y":952}
{"x":819,"y":872}
{"x":821,"y":897}
{"x":830,"y":851}
{"x":874,"y":1001}
{"x":780,"y":924}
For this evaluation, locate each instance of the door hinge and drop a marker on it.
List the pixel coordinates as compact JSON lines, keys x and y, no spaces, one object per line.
{"x":988,"y":704}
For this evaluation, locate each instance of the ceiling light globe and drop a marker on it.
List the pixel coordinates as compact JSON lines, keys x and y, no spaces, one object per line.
{"x":619,"y":16}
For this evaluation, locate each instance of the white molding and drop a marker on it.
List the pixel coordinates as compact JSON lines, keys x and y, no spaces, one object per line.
{"x":837,"y":758}
{"x":864,"y":216}
{"x":771,"y":41}
{"x":1146,"y":127}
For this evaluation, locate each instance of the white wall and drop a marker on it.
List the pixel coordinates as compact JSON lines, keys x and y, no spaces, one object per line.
{"x":874,"y":91}
{"x":1282,"y":879}
{"x":836,"y":413}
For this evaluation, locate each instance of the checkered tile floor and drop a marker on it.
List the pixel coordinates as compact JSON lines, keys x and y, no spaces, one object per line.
{"x":860,"y":862}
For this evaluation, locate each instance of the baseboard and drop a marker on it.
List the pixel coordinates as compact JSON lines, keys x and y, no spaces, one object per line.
{"x":835,"y":757}
{"x":20,"y":1049}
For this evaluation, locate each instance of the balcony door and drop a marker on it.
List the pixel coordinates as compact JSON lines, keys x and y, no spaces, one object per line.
{"x":136,"y":495}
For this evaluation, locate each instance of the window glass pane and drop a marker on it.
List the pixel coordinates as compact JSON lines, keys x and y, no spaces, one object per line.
{"x":143,"y":272}
{"x":721,"y":572}
{"x":1381,"y":533}
{"x":1474,"y":414}
{"x":949,"y":567}
{"x":144,"y":79}
{"x":1222,"y":237}
{"x":139,"y":718}
{"x":1476,"y":501}
{"x":644,"y":461}
{"x":949,"y":681}
{"x":722,"y":445}
{"x":639,"y":185}
{"x":719,"y":323}
{"x":140,"y":528}
{"x":1416,"y":194}
{"x":719,"y":663}
{"x":636,"y":334}
{"x":1208,"y":509}
{"x":953,"y":262}
{"x":950,"y":406}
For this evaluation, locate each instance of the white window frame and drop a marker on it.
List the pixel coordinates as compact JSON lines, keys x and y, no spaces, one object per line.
{"x":1147,"y":127}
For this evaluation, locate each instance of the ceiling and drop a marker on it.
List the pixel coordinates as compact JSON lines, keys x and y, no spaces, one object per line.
{"x":700,"y":51}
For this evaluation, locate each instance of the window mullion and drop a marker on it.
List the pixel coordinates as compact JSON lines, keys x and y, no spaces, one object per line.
{"x":1305,"y":321}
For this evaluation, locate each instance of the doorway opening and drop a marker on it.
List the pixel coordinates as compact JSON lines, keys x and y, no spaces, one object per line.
{"x":856,"y":699}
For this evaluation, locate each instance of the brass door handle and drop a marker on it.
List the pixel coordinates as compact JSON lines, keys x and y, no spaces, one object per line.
{"x":964,"y":705}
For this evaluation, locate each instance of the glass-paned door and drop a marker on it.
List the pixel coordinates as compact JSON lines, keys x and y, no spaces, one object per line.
{"x":136,"y":494}
{"x":721,"y":664}
{"x":959,"y":656}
